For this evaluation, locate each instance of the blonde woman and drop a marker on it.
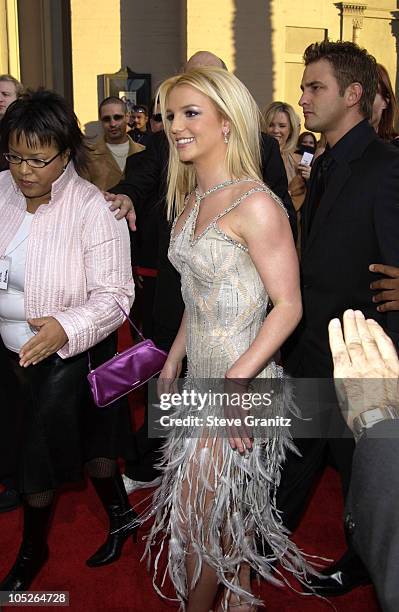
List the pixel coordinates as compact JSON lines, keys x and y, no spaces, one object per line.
{"x":283,"y":124}
{"x":232,"y":244}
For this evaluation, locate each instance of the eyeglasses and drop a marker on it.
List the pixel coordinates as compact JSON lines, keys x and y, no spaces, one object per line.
{"x":157,"y":117}
{"x":109,"y":118}
{"x":138,"y":109}
{"x":32,"y":162}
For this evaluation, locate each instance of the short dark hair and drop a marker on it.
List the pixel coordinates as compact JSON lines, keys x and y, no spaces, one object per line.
{"x":112,"y":100}
{"x":44,"y":116}
{"x":350,"y":64}
{"x":140,"y":108}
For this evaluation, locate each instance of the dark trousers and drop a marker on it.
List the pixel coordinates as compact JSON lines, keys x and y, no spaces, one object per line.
{"x":143,"y":454}
{"x":330,"y":442}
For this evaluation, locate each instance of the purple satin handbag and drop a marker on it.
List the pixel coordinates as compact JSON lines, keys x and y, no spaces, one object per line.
{"x":125,"y":371}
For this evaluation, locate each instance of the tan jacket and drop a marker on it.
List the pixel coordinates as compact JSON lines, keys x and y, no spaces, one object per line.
{"x":103,"y":170}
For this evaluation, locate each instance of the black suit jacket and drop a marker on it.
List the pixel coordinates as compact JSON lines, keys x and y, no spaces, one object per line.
{"x":356,"y":224}
{"x":372,"y":509}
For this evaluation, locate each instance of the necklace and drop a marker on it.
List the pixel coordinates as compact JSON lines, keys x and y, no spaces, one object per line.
{"x":200,"y":196}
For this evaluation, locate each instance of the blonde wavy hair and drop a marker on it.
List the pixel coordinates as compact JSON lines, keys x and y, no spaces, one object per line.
{"x":281,"y":107}
{"x":234,"y":103}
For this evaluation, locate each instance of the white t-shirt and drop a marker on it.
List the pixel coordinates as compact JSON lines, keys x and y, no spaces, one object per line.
{"x":120,"y":153}
{"x":14,"y":329}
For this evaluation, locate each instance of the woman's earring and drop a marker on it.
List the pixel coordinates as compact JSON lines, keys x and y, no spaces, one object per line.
{"x":225,"y":133}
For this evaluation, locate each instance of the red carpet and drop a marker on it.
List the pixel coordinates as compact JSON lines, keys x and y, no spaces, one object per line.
{"x":78,"y":529}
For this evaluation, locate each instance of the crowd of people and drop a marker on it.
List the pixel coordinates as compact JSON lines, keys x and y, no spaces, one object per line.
{"x":249,"y":241}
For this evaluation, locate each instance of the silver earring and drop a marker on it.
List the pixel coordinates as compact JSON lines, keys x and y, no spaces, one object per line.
{"x":226,"y":140}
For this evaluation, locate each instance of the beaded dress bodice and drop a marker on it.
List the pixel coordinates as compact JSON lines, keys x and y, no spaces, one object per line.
{"x":225,"y":299}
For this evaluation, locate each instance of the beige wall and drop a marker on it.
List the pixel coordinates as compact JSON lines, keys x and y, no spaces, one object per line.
{"x":151,"y":33}
{"x":96,"y":49}
{"x":9,"y":38}
{"x":261,"y":41}
{"x":210,"y":27}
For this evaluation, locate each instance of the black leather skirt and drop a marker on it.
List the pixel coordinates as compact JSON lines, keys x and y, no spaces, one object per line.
{"x":49,"y":424}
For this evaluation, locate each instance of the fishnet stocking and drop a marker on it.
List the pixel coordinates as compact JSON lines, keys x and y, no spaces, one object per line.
{"x":40,"y":500}
{"x":101,"y":467}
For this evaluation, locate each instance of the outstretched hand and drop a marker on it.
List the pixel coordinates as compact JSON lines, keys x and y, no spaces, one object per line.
{"x":366,"y":365}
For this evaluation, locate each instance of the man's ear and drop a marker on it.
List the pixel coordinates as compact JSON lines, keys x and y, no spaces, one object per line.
{"x":353,"y":94}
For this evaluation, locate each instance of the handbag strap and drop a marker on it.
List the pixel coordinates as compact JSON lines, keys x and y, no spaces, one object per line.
{"x":131,"y":323}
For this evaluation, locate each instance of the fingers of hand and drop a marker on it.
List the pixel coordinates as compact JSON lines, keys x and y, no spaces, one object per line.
{"x":385,"y":283}
{"x":385,"y":346}
{"x":352,"y":338}
{"x":109,"y":197}
{"x":391,"y":271}
{"x":240,"y":436}
{"x":341,"y":358}
{"x":388,"y":306}
{"x":163,"y":386}
{"x":385,"y":296}
{"x":117,"y":204}
{"x":240,"y":444}
{"x":121,"y":214}
{"x":367,"y":339}
{"x":131,"y":218}
{"x":35,"y":353}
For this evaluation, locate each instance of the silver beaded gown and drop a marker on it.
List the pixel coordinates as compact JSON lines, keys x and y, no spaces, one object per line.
{"x":213,"y":503}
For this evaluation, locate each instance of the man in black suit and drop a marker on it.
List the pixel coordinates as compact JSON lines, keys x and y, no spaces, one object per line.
{"x":350,"y":219}
{"x":366,"y":369}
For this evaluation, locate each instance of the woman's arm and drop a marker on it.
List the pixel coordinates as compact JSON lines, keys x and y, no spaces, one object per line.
{"x":263,"y":226}
{"x":108,"y":271}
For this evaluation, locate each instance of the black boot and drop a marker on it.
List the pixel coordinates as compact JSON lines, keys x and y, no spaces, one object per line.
{"x":342,"y":577}
{"x":112,"y":493}
{"x":33,"y":552}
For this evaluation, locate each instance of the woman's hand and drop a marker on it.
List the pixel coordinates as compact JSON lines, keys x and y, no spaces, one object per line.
{"x":239,"y":433}
{"x":304,"y":171}
{"x":167,"y":379}
{"x":50,"y":338}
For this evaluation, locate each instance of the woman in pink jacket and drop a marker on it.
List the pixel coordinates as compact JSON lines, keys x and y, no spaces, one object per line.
{"x":64,"y":264}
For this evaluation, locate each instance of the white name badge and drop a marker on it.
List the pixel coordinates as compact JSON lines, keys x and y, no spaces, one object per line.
{"x":4,"y":272}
